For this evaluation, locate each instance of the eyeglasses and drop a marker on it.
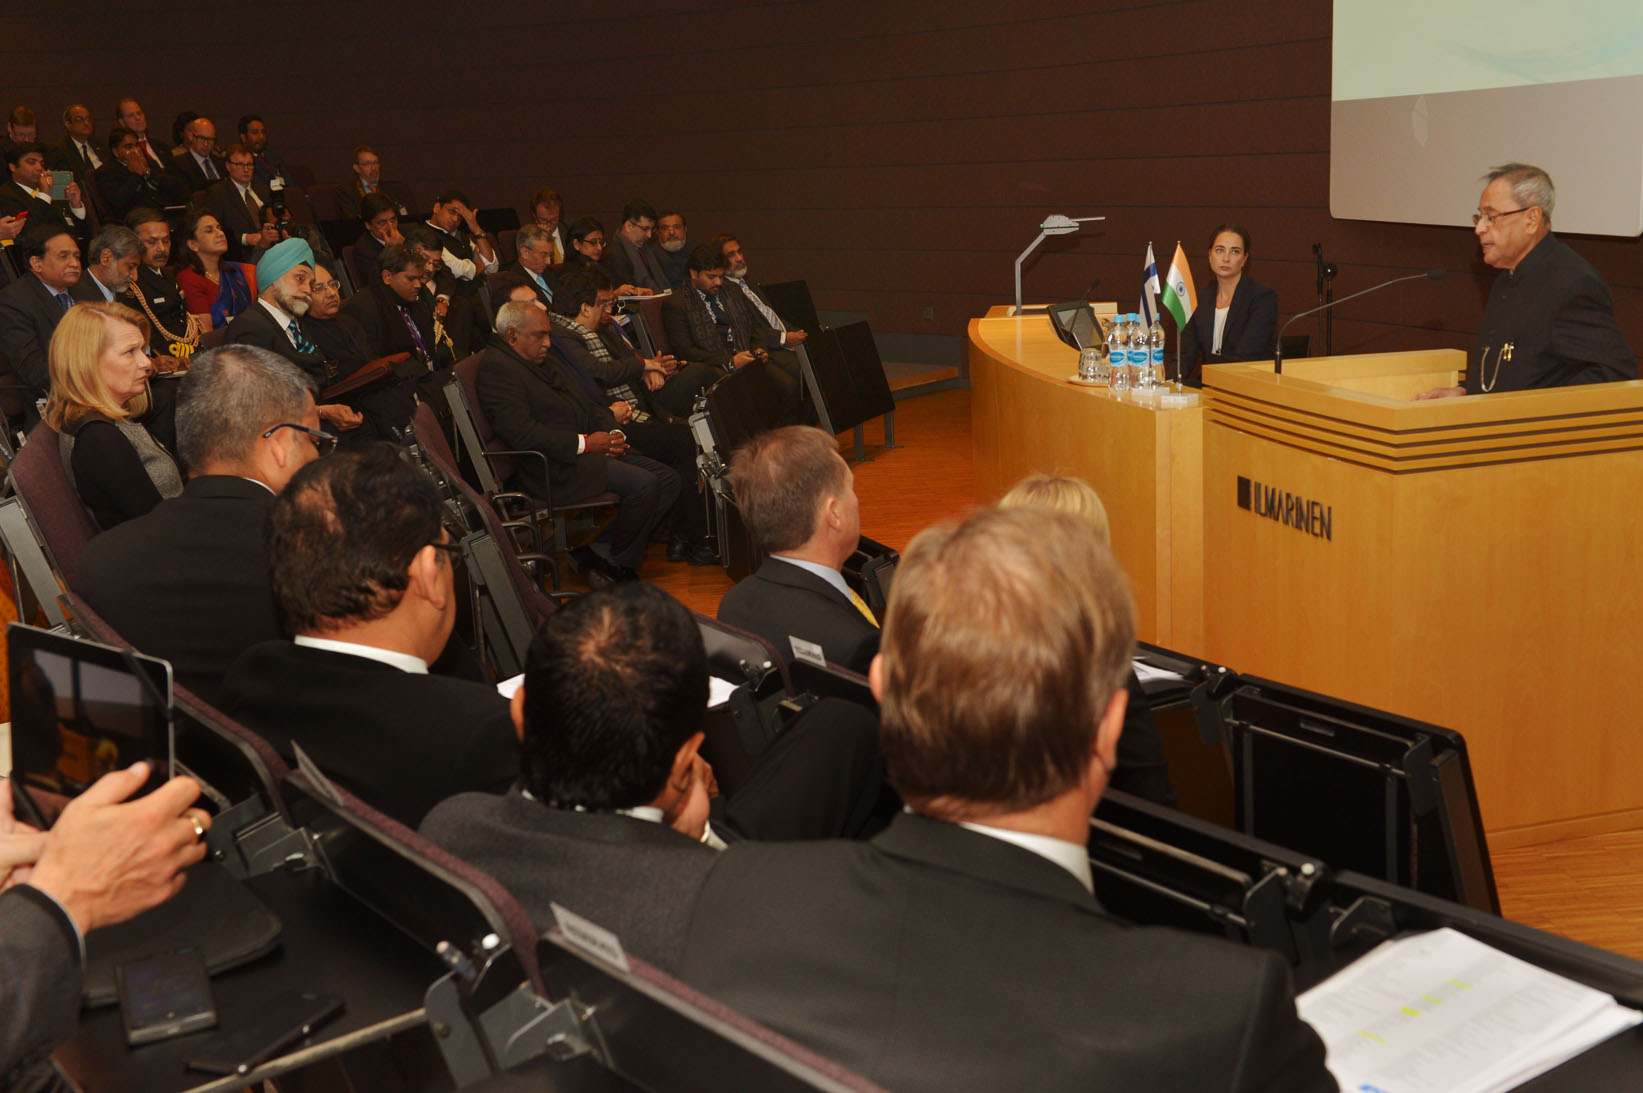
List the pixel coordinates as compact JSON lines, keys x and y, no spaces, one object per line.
{"x":594,"y":241}
{"x":241,"y":163}
{"x":329,"y":286}
{"x":324,"y":443}
{"x":1487,"y":219}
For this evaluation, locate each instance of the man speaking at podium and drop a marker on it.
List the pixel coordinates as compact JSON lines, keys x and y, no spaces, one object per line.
{"x":1550,"y":319}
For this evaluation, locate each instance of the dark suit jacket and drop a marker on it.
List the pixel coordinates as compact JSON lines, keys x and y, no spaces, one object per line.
{"x":1559,"y":316}
{"x":937,"y":958}
{"x":367,"y":252}
{"x":165,"y":298}
{"x":255,"y":326}
{"x":378,"y":310}
{"x":189,"y":581}
{"x":402,"y":742}
{"x":225,"y":203}
{"x":635,"y":878}
{"x":1247,"y":335}
{"x":779,"y":599}
{"x":65,"y":156}
{"x":547,"y":275}
{"x":538,"y":408}
{"x":631,"y":265}
{"x":693,"y":336}
{"x":29,"y":314}
{"x":14,"y":200}
{"x":193,"y":174}
{"x":123,"y":190}
{"x":40,"y":983}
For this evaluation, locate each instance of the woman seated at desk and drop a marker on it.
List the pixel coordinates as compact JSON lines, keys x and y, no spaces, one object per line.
{"x":1239,"y":327}
{"x":215,"y":288}
{"x":99,"y":388}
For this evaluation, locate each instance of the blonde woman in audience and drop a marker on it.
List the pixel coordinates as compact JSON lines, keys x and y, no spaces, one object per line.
{"x":99,"y":389}
{"x":1142,"y":768}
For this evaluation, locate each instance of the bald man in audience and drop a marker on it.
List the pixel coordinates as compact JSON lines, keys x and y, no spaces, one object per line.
{"x":798,"y":499}
{"x":363,"y":575}
{"x":963,"y":948}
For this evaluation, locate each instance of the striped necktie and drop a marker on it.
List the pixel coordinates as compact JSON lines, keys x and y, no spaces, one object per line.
{"x":299,"y":339}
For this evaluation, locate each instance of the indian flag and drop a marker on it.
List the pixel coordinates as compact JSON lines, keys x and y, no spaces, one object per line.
{"x":1180,"y":298}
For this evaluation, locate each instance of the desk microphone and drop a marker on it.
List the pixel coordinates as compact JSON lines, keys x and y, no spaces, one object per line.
{"x":1278,"y":343}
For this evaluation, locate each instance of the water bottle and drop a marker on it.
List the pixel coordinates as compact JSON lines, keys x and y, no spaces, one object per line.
{"x":1155,"y":353}
{"x":1120,"y":364}
{"x":1115,"y":351}
{"x":1137,"y":351}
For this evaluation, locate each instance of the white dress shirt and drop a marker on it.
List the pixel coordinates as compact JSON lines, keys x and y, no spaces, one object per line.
{"x":405,"y":662}
{"x":1069,"y":856}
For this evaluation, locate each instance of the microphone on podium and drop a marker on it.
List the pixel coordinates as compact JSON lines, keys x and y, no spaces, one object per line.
{"x":1278,"y":342}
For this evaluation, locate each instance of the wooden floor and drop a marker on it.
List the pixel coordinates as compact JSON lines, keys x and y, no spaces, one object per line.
{"x":1589,"y":889}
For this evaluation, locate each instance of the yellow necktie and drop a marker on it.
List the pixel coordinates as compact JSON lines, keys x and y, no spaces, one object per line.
{"x":861,"y":605}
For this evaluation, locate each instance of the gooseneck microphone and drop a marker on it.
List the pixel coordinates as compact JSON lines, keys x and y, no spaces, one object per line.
{"x":1278,"y":343}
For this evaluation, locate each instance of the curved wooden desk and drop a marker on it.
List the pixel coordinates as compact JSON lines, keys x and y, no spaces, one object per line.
{"x":1145,"y":461}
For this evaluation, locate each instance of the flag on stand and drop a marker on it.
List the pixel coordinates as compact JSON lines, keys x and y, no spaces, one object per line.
{"x":1149,"y":291}
{"x":1180,"y":298}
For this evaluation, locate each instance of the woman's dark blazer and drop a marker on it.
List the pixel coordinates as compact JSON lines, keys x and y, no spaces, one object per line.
{"x":1247,"y":335}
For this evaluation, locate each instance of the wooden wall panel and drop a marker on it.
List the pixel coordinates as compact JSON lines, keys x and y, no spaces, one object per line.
{"x":898,"y":156}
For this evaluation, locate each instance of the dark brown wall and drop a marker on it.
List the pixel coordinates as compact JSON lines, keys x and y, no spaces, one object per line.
{"x":898,"y":155}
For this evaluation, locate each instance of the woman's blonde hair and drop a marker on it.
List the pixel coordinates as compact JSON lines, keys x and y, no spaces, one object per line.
{"x":1062,"y":493}
{"x":77,"y":387}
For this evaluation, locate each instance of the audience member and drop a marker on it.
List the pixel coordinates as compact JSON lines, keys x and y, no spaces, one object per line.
{"x":102,"y":862}
{"x":706,"y":325}
{"x":380,"y":214}
{"x":672,"y":386}
{"x":631,"y":260}
{"x":534,"y":405}
{"x":394,"y":312}
{"x":367,"y":178}
{"x":179,"y":127}
{"x":22,"y":127}
{"x":385,"y":405}
{"x":99,"y":390}
{"x":671,"y":238}
{"x":736,"y":277}
{"x":576,"y":316}
{"x":535,"y":262}
{"x":587,"y":243}
{"x":189,"y":581}
{"x":286,"y":276}
{"x":1001,"y":684}
{"x":1142,"y":768}
{"x":465,"y":252}
{"x":547,"y":212}
{"x":130,"y":181}
{"x":111,"y":265}
{"x":216,"y":288}
{"x":176,"y":333}
{"x":33,"y":305}
{"x":78,"y":150}
{"x":238,"y":202}
{"x":268,"y":165}
{"x":199,"y":164}
{"x":363,"y":578}
{"x":30,"y":191}
{"x":509,"y":287}
{"x":611,"y":817}
{"x":797,"y":498}
{"x":128,"y":113}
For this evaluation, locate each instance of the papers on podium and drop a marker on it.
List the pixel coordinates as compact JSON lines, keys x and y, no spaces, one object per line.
{"x":1446,"y":1013}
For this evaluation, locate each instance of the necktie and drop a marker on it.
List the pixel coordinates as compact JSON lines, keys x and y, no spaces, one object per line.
{"x":558,"y":251}
{"x":416,"y":335}
{"x":861,"y":605}
{"x":299,"y":339}
{"x":148,"y":153}
{"x":253,"y":208}
{"x":210,"y":169}
{"x":64,"y":301}
{"x":770,"y":316}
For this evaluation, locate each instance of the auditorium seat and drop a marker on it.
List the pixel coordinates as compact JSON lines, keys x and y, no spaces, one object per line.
{"x":322,"y":202}
{"x":648,"y":309}
{"x":38,"y":477}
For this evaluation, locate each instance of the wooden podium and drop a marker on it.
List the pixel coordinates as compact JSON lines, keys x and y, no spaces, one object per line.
{"x":1143,"y":458}
{"x":1472,"y":562}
